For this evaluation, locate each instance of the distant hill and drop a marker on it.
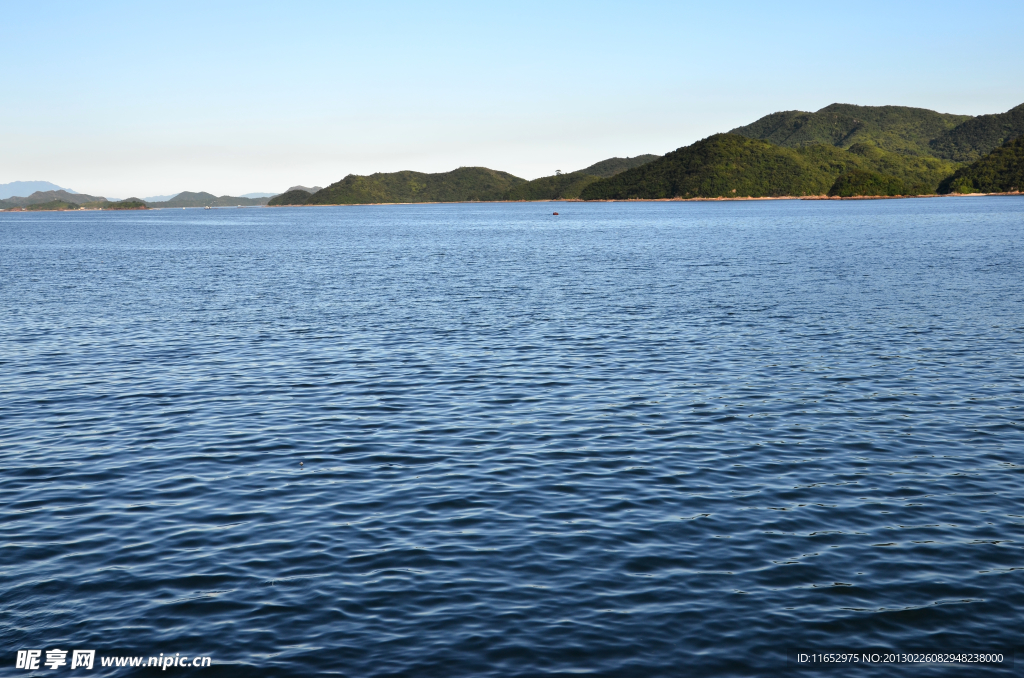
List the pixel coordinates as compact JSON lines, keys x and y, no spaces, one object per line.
{"x":126,"y":204}
{"x":559,"y":186}
{"x":40,"y":197}
{"x":28,"y":188}
{"x":979,"y":136}
{"x":258,"y":195}
{"x":612,"y":166}
{"x":159,"y":198}
{"x":307,"y":189}
{"x":465,"y":184}
{"x":201,"y":199}
{"x":1001,"y":171}
{"x":569,"y":186}
{"x":294,"y":196}
{"x":898,"y":129}
{"x":731,"y":165}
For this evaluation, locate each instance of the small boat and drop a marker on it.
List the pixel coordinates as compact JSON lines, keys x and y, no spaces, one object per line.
{"x":207,"y":207}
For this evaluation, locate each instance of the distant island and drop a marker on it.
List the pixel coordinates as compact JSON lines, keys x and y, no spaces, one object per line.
{"x":840,"y":151}
{"x":201,"y":199}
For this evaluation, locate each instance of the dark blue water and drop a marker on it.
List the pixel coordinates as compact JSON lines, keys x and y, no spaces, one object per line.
{"x":479,"y":440}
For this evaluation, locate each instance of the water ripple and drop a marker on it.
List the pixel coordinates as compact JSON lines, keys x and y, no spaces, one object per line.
{"x":470,"y":440}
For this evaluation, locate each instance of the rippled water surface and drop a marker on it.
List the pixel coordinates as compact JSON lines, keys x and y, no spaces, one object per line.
{"x":480,"y":440}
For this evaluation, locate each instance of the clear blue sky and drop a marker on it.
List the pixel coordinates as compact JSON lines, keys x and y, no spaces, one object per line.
{"x":124,"y":99}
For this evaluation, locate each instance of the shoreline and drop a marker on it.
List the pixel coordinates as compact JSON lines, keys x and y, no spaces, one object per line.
{"x":742,"y":198}
{"x":573,"y":200}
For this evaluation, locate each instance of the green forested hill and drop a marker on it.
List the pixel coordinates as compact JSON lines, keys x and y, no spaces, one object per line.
{"x":730,"y":165}
{"x":899,"y":129}
{"x":462,"y":185}
{"x":978,"y":136}
{"x":295,"y":196}
{"x":1000,"y":171}
{"x":568,"y":186}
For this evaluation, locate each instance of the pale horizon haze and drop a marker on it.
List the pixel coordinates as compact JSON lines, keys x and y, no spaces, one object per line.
{"x":123,"y":99}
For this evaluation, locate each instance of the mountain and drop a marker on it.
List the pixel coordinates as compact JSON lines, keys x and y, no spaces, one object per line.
{"x":465,"y":184}
{"x":293,"y":196}
{"x":1001,"y":171}
{"x":899,"y":129}
{"x":201,"y":199}
{"x":979,"y":136}
{"x":731,"y":165}
{"x":159,"y":198}
{"x":305,"y":188}
{"x":258,"y":195}
{"x":40,"y":197}
{"x":27,"y":188}
{"x":569,"y":186}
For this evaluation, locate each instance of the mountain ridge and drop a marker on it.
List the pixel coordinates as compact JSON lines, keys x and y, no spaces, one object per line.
{"x":899,"y":129}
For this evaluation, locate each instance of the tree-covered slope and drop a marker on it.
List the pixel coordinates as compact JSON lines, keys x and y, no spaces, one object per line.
{"x":899,"y":129}
{"x":918,"y":171}
{"x":126,"y":204}
{"x":723,"y":165}
{"x":569,"y":186}
{"x":860,"y":182}
{"x":294,"y":196}
{"x":979,"y":136}
{"x":730,"y":165}
{"x":52,"y":205}
{"x":1001,"y":171}
{"x":461,"y":185}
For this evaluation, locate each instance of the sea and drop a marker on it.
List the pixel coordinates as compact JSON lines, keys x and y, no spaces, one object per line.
{"x":471,"y":440}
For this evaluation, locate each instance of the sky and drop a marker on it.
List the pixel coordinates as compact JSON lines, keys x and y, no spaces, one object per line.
{"x":127,"y":99}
